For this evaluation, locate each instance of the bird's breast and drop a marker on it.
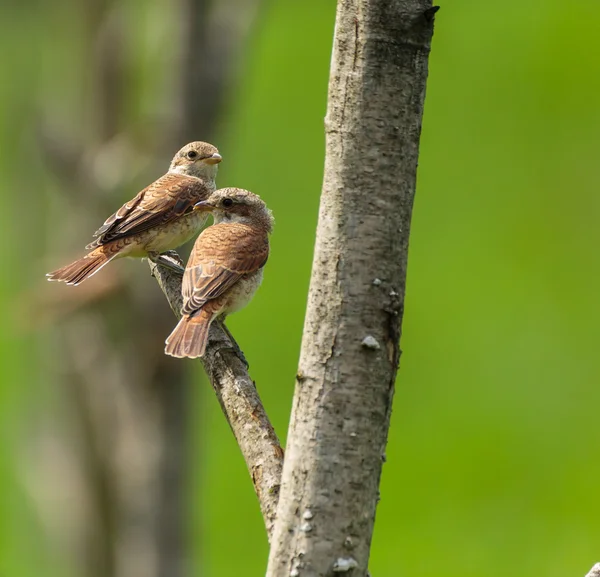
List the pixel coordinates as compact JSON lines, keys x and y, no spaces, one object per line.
{"x":174,"y":234}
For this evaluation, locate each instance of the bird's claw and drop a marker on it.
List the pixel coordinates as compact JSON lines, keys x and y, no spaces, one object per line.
{"x":169,"y":260}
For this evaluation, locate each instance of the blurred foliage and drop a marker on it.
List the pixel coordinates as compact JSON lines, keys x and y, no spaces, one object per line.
{"x":492,"y":458}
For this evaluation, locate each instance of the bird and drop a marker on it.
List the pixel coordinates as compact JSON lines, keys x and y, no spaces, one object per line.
{"x":225,"y":267}
{"x":159,"y":218}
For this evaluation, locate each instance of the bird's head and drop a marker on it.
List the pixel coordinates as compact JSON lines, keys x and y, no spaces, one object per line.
{"x":198,"y":159}
{"x":237,"y":205}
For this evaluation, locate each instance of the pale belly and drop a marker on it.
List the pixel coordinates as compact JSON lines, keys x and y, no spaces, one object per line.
{"x":169,"y":237}
{"x":242,"y":292}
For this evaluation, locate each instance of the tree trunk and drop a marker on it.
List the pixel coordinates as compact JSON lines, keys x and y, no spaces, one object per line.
{"x":350,"y":347}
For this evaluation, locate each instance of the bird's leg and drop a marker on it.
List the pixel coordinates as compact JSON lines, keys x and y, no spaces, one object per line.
{"x":235,"y":346}
{"x":173,"y":256}
{"x":170,"y":260}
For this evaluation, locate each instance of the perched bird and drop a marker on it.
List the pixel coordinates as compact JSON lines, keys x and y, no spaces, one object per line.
{"x":160,"y":218}
{"x":224,"y":269}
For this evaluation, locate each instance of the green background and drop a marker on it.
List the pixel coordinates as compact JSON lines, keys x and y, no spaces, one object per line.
{"x":493,"y":461}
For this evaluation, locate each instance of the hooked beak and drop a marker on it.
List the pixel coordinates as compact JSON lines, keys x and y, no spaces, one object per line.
{"x":203,"y":206}
{"x":214,"y":159}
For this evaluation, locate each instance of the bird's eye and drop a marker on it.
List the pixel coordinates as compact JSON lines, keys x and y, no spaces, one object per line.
{"x":227,"y":202}
{"x":192,"y":154}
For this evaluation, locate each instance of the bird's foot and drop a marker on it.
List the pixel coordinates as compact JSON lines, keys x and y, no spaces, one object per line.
{"x":173,"y":255}
{"x":169,"y":260}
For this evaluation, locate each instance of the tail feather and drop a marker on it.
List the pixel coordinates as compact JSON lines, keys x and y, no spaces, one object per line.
{"x":82,"y":269}
{"x":190,"y":336}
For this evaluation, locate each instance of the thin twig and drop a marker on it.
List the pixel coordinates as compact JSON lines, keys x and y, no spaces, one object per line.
{"x":240,"y":402}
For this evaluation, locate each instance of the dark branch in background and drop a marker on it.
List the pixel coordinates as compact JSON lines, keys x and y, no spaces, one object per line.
{"x":240,"y":402}
{"x":212,"y":36}
{"x":350,"y":345}
{"x":134,"y":438}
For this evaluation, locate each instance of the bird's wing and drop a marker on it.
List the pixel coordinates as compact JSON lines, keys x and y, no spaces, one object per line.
{"x":223,"y":254}
{"x":165,"y":200}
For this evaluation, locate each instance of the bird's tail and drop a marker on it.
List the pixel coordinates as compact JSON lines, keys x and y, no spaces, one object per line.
{"x":190,"y":336}
{"x":82,"y":269}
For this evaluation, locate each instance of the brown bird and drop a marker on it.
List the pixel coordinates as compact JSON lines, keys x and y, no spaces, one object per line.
{"x":160,"y":218}
{"x":225,"y":267}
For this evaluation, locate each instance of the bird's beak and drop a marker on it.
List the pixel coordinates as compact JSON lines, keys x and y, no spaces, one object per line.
{"x":214,"y":159}
{"x":203,"y":206}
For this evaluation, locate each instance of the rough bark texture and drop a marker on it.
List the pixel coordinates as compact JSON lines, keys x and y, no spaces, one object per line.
{"x":350,"y":347}
{"x":240,"y":403}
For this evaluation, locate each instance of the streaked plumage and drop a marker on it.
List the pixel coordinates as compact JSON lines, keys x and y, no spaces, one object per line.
{"x":159,"y":218}
{"x":224,"y":270}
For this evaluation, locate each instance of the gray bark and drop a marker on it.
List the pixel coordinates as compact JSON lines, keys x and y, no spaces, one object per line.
{"x":350,"y":347}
